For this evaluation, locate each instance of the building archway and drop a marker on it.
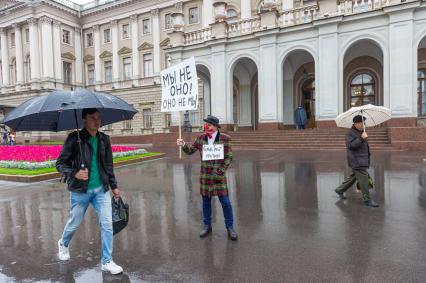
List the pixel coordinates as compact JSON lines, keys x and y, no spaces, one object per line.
{"x":299,"y":86}
{"x":245,"y":94}
{"x":204,"y":93}
{"x":363,"y":74}
{"x":421,"y":78}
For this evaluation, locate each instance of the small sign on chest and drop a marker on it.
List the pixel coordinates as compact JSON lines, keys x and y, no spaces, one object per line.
{"x":213,"y":152}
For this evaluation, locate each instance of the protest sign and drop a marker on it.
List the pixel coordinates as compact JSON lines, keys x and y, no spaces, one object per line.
{"x":213,"y":152}
{"x":179,"y":87}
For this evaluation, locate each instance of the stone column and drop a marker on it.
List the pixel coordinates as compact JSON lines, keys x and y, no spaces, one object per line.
{"x":400,"y":95}
{"x":78,"y":58}
{"x":19,"y":57}
{"x":47,"y":48}
{"x":221,"y":100}
{"x":208,"y":17}
{"x":4,"y":57}
{"x":245,"y":9}
{"x":327,"y":99}
{"x":57,"y":52}
{"x":34,"y":53}
{"x":115,"y":58}
{"x":156,"y":29}
{"x":97,"y":53}
{"x":268,"y":91}
{"x":135,"y":51}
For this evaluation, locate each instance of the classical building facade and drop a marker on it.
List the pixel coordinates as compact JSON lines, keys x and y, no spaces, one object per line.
{"x":257,"y":60}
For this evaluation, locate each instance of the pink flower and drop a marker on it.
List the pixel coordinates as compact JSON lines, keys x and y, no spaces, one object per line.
{"x":41,"y":153}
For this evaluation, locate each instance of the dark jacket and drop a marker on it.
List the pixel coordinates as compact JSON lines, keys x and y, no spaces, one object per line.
{"x":300,"y":116}
{"x":358,"y":150}
{"x":70,"y":160}
{"x":213,"y":180}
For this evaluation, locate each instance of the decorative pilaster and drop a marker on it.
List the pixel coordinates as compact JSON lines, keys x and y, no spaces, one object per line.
{"x":156,"y":40}
{"x":97,"y":53}
{"x":4,"y":57}
{"x":115,"y":58}
{"x":57,"y":51}
{"x":208,"y":16}
{"x":34,"y":53}
{"x":47,"y":49}
{"x":19,"y":57}
{"x":78,"y":57}
{"x":135,"y":51}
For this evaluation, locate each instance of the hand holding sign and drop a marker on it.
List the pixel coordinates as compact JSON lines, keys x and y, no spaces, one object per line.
{"x":180,"y":142}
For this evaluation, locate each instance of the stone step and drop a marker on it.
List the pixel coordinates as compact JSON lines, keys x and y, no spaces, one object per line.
{"x":299,"y":139}
{"x":301,"y":142}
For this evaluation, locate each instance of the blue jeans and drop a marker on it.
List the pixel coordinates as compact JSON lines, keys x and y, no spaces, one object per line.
{"x":101,"y":201}
{"x":227,"y":211}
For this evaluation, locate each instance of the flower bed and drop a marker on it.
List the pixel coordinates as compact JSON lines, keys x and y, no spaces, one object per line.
{"x":37,"y":157}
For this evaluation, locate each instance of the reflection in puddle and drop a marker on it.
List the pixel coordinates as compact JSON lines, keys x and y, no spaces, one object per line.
{"x":281,"y":201}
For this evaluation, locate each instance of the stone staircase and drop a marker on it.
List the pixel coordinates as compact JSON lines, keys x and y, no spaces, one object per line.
{"x":310,"y":139}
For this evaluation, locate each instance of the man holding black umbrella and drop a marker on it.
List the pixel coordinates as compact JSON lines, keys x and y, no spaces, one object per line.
{"x":358,"y":155}
{"x":86,"y":161}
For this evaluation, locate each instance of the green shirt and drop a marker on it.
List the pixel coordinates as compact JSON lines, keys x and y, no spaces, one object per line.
{"x":94,"y":177}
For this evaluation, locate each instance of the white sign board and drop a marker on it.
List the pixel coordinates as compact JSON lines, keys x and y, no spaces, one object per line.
{"x":179,"y":87}
{"x":213,"y":152}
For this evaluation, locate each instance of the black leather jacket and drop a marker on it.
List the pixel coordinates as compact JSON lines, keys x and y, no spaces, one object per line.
{"x":70,"y":160}
{"x":358,"y":150}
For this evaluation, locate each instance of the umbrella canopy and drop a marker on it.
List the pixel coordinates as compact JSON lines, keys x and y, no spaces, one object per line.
{"x":374,"y":115}
{"x":61,"y":110}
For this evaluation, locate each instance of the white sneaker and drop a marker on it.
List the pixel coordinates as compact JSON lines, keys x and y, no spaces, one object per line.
{"x":111,"y":267}
{"x":63,"y":252}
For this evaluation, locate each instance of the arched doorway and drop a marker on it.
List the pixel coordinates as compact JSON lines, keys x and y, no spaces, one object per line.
{"x":363,"y":74}
{"x":245,"y":95}
{"x":204,"y":91}
{"x":307,"y":100}
{"x":299,"y":87}
{"x":421,"y":78}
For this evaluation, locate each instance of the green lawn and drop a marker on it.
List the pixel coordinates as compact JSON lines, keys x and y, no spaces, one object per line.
{"x":14,"y":171}
{"x":48,"y":143}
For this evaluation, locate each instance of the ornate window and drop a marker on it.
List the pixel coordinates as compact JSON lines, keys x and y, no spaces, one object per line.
{"x":125,"y":29}
{"x":168,"y":21}
{"x":107,"y":35}
{"x":127,"y":67}
{"x":67,"y":69}
{"x":147,"y":65}
{"x":362,"y":90}
{"x":146,"y":24}
{"x":193,"y":15}
{"x":421,"y":90}
{"x":89,"y":40}
{"x":66,"y":36}
{"x":147,"y":118}
{"x":108,"y":71}
{"x":90,"y":74}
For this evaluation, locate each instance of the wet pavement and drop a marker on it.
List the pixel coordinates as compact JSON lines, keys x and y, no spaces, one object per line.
{"x":291,"y":224}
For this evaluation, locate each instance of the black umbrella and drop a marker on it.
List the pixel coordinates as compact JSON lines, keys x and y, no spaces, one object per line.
{"x":61,"y":111}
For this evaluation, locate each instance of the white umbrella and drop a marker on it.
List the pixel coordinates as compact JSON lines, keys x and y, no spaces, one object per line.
{"x":374,"y":115}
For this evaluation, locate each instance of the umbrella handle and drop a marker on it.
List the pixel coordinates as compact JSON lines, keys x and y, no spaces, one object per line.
{"x":363,"y":123}
{"x":78,"y":137}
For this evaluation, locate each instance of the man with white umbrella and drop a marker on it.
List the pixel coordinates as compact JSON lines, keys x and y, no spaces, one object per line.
{"x":358,"y":155}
